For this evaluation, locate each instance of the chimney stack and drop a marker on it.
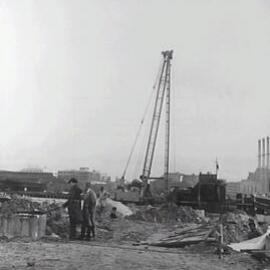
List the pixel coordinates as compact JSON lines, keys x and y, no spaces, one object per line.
{"x":267,"y":152}
{"x":263,"y":152}
{"x":259,"y":154}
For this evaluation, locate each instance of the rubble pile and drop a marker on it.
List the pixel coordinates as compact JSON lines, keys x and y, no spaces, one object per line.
{"x":57,"y":223}
{"x":19,"y":205}
{"x":165,"y":213}
{"x":238,"y":226}
{"x":57,"y":219}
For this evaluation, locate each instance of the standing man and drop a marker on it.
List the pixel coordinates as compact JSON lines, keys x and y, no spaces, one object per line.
{"x":89,"y":209}
{"x":74,"y":207}
{"x":103,"y":195}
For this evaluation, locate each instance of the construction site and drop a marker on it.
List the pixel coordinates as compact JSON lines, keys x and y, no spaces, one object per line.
{"x":167,"y":210}
{"x":148,"y":223}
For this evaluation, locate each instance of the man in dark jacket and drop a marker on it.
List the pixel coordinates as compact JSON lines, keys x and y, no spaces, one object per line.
{"x":89,"y":209}
{"x":74,"y":207}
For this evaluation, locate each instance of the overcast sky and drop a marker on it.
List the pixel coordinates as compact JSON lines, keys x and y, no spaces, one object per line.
{"x":75,"y":77}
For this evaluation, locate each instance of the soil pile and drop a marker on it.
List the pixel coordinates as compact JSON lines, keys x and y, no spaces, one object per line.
{"x":124,"y":230}
{"x":165,"y":213}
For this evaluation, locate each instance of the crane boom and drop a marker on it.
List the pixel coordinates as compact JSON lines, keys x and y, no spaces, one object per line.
{"x":163,"y":86}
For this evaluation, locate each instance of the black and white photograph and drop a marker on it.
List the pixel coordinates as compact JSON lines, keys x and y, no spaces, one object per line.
{"x":135,"y":134}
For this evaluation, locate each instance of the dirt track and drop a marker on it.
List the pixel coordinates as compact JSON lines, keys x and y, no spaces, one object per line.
{"x":73,"y":256}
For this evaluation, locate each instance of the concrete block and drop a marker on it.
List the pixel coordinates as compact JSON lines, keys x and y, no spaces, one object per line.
{"x":23,"y":225}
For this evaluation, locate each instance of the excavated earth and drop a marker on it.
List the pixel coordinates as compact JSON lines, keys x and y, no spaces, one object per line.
{"x":118,"y":244}
{"x":84,"y":256}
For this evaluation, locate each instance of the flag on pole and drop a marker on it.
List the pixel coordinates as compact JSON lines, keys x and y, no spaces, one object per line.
{"x":217,"y":165}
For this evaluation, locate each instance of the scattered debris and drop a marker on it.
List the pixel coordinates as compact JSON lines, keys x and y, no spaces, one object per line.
{"x":258,"y":243}
{"x":238,"y":226}
{"x":187,"y":236}
{"x":31,"y":262}
{"x":58,"y":223}
{"x":18,"y":205}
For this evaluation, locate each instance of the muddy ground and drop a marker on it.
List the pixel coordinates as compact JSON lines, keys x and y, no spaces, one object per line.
{"x":94,"y":255}
{"x":120,"y":248}
{"x":121,"y":244}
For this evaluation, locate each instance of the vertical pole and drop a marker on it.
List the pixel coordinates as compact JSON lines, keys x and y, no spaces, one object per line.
{"x":267,"y":152}
{"x":199,"y":192}
{"x":217,"y":167}
{"x":259,"y":154}
{"x":267,"y":165}
{"x":263,"y":152}
{"x":264,"y":166}
{"x":167,"y":125}
{"x":221,"y":241}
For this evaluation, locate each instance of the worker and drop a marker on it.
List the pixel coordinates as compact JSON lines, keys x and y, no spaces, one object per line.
{"x":88,"y":212}
{"x":103,"y":195}
{"x":147,"y":194}
{"x":113,"y":213}
{"x":74,"y":207}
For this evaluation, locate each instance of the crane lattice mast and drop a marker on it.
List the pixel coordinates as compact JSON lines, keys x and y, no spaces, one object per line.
{"x":162,"y":89}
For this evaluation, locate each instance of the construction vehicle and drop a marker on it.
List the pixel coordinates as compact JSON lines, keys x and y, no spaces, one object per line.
{"x":162,"y":87}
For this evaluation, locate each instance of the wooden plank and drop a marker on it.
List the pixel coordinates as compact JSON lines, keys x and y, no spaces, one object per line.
{"x":184,"y":242}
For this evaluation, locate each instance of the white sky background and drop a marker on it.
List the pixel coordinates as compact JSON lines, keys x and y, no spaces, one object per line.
{"x":75,"y":77}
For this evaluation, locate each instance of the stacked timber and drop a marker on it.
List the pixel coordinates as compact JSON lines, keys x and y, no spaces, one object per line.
{"x":187,"y":236}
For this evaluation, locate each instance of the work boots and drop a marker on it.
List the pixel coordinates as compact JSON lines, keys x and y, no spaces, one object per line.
{"x":72,"y":233}
{"x":93,"y":232}
{"x":88,"y":234}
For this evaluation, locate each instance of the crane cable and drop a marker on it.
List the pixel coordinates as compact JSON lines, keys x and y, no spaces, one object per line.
{"x":141,"y":124}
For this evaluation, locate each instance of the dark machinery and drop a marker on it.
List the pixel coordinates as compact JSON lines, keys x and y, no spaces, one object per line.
{"x":208,"y":194}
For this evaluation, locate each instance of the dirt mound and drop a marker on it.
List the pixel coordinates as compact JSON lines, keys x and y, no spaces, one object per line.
{"x":167,"y":213}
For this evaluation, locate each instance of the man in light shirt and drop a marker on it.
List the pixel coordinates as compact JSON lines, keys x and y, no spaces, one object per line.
{"x":88,"y":212}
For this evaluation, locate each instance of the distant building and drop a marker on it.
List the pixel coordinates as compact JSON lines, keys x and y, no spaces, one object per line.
{"x":32,"y":170}
{"x":21,"y":180}
{"x":35,"y":177}
{"x":105,"y":178}
{"x":83,"y":175}
{"x":232,"y":188}
{"x":257,"y":182}
{"x":176,"y":179}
